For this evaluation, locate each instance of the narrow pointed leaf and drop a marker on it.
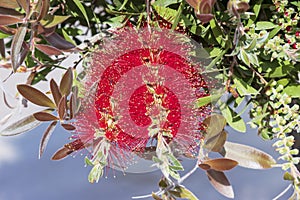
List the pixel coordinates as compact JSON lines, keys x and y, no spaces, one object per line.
{"x":194,"y":3}
{"x":43,"y":9}
{"x":16,"y":46}
{"x":68,"y":127}
{"x":48,"y":50}
{"x":50,"y":21}
{"x":82,"y":10}
{"x":156,"y":197}
{"x":21,"y":126}
{"x":46,"y":137}
{"x":72,"y":106}
{"x":55,"y":92}
{"x":2,"y":48}
{"x":61,"y":153}
{"x":35,"y":96}
{"x":220,"y":183}
{"x":44,"y":116}
{"x":10,"y":12}
{"x":248,"y":156}
{"x":58,"y":42}
{"x":24,"y":4}
{"x":221,"y":164}
{"x":66,"y":82}
{"x":9,"y":4}
{"x":62,"y":107}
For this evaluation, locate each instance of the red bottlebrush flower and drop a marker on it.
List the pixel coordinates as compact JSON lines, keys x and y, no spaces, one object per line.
{"x":139,"y":84}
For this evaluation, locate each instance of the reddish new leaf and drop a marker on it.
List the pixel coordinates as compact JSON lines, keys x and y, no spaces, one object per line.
{"x":55,"y":92}
{"x":61,"y":153}
{"x":248,"y":156}
{"x":220,"y":183}
{"x":66,"y":82}
{"x":58,"y":42}
{"x":219,"y":164}
{"x":10,"y":12}
{"x":46,"y":137}
{"x":194,"y":3}
{"x":24,"y":4}
{"x":44,"y":116}
{"x":72,"y":106}
{"x":16,"y":47}
{"x":43,"y":9}
{"x":35,"y":96}
{"x":68,"y":127}
{"x":62,"y":107}
{"x":9,"y":4}
{"x":48,"y":50}
{"x":9,"y":20}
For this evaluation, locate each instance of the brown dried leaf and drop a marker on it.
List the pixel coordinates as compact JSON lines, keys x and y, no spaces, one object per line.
{"x":62,"y":107}
{"x":214,"y":124}
{"x":55,"y":92}
{"x":35,"y":96}
{"x":204,"y":166}
{"x":248,"y":156}
{"x":66,"y":82}
{"x":68,"y":127}
{"x":44,"y":116}
{"x":9,"y":20}
{"x":217,"y":142}
{"x":9,"y":4}
{"x":16,"y":47}
{"x":220,"y":183}
{"x":48,"y":50}
{"x":61,"y":153}
{"x":58,"y":42}
{"x":46,"y":137}
{"x":220,"y":164}
{"x":43,"y":9}
{"x":21,"y":126}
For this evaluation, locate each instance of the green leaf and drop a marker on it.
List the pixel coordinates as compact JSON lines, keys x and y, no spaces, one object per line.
{"x":96,"y":173}
{"x":217,"y":142}
{"x":248,"y":156}
{"x":243,"y":55}
{"x":35,"y":96}
{"x":165,"y":3}
{"x":21,"y":126}
{"x":206,"y":100}
{"x":183,"y":192}
{"x":235,"y":121}
{"x":50,"y":21}
{"x":82,"y":10}
{"x":3,"y":35}
{"x":217,"y":32}
{"x":244,"y":88}
{"x":292,"y":90}
{"x":265,"y":25}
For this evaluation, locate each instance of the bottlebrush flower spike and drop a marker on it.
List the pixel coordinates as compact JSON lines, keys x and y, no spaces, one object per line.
{"x":140,"y":84}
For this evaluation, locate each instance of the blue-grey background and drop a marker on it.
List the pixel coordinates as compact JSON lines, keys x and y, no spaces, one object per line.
{"x":24,"y":177}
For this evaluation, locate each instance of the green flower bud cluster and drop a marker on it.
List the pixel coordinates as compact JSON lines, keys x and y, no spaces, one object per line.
{"x":286,"y":43}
